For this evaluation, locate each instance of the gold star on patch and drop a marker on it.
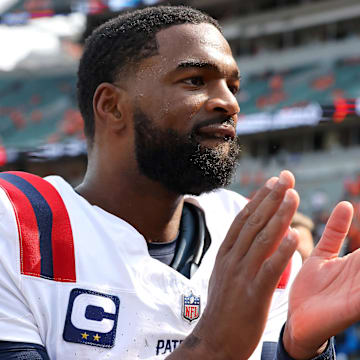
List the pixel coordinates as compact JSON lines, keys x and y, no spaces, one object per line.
{"x":84,"y":335}
{"x":96,"y":337}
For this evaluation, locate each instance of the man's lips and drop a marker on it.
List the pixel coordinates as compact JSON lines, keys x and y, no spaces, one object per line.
{"x":218,"y":131}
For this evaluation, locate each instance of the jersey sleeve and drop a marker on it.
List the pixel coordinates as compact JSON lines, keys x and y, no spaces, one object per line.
{"x":17,"y":323}
{"x":21,"y":351}
{"x":281,"y":354}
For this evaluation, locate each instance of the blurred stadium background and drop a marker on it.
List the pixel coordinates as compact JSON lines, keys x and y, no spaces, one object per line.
{"x":300,"y":97}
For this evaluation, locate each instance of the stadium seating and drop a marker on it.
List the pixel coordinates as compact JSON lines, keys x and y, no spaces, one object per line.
{"x":35,"y":110}
{"x":321,"y":83}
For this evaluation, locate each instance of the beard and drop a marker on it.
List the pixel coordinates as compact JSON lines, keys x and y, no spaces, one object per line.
{"x":180,"y":162}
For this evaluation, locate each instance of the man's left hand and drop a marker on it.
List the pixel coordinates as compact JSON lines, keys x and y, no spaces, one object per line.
{"x":325,"y":296}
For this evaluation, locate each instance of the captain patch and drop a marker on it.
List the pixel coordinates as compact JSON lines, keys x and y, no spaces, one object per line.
{"x":91,"y":318}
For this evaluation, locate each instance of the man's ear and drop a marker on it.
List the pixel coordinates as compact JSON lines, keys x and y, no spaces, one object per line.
{"x":109,"y":104}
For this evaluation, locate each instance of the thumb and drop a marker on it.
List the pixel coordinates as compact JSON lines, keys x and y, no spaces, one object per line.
{"x":335,"y":231}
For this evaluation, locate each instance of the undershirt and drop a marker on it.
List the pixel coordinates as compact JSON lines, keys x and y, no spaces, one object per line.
{"x":165,"y":252}
{"x":186,"y":251}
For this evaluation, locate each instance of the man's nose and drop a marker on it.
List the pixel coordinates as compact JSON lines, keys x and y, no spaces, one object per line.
{"x":222,"y":100}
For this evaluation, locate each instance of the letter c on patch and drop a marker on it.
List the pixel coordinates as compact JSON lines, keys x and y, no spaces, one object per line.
{"x":91,"y":318}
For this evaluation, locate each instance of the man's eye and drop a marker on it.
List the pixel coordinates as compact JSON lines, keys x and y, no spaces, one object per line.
{"x":195,"y":81}
{"x":234,"y":89}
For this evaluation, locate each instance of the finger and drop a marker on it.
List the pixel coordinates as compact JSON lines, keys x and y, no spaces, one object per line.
{"x":243,"y":215}
{"x":268,"y":239}
{"x":271,"y":270}
{"x":262,"y":214}
{"x":335,"y":231}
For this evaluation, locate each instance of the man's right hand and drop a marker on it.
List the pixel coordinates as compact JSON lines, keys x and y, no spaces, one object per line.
{"x":247,"y":269}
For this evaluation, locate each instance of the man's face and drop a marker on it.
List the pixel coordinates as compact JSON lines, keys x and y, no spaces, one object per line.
{"x":185,"y":111}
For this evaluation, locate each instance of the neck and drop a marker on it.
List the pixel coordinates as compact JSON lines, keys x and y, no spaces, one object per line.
{"x":146,"y":205}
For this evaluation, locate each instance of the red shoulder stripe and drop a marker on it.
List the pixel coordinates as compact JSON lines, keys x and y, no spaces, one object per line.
{"x":285,"y":277}
{"x":28,"y":230}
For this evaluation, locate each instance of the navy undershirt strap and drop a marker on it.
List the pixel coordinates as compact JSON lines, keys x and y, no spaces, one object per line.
{"x":165,"y":252}
{"x":185,"y":252}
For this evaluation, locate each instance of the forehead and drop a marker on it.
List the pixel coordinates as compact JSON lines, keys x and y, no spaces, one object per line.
{"x":189,"y":42}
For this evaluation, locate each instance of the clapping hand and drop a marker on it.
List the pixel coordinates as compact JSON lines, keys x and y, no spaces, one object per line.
{"x":247,"y":269}
{"x":325,"y":296}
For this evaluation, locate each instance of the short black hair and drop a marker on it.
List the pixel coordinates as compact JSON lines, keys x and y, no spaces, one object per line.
{"x":123,"y":42}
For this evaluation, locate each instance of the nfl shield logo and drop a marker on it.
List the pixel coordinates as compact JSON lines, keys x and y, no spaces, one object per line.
{"x":191,"y":307}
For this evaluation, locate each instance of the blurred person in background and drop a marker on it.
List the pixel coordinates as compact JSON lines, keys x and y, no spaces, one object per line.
{"x":305,"y":226}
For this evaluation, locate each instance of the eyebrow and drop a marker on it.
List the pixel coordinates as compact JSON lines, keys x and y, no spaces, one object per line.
{"x":206,"y":65}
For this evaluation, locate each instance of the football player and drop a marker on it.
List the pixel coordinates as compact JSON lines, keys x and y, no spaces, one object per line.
{"x":150,"y":257}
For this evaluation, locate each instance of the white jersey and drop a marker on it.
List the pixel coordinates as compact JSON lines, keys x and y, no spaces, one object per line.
{"x":84,"y":285}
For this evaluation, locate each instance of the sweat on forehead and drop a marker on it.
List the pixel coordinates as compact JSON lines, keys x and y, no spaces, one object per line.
{"x":190,"y":46}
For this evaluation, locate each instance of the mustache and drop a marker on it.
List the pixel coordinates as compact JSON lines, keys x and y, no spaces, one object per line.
{"x":218,"y":120}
